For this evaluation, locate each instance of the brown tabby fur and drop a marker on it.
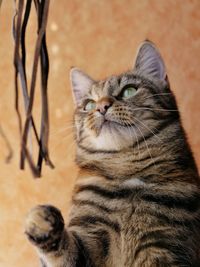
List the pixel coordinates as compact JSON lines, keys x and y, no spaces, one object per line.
{"x":136,"y":202}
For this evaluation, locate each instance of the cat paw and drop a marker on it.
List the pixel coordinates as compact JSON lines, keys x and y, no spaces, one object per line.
{"x":44,"y":226}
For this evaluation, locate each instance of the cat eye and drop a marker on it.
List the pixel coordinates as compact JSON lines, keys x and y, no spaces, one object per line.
{"x":90,"y":105}
{"x":128,"y":92}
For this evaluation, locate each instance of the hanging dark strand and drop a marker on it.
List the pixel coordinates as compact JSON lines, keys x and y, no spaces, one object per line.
{"x":8,"y":145}
{"x":16,"y":35}
{"x":19,"y":32}
{"x":23,"y":73}
{"x":44,"y":63}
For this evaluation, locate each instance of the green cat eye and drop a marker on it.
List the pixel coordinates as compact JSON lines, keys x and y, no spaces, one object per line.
{"x":90,"y":105}
{"x":129,"y":92}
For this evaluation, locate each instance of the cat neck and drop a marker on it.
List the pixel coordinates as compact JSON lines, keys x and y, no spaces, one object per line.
{"x":164,"y":160}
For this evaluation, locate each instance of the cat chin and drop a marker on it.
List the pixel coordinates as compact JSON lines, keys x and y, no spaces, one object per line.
{"x":110,"y":126}
{"x":111,"y":136}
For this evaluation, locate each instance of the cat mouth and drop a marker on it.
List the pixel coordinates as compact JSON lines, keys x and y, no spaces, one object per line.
{"x":109,"y":124}
{"x":104,"y":124}
{"x":112,"y":127}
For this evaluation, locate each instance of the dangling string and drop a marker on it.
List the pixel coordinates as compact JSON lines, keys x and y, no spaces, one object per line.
{"x":19,"y":31}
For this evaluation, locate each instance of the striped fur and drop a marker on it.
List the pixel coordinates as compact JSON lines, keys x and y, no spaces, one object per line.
{"x":136,"y":202}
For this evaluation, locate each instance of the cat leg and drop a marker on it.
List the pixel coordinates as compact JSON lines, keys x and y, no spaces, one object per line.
{"x":157,"y":257}
{"x":56,"y":246}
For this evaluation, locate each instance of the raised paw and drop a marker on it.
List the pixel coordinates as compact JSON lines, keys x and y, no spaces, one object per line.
{"x":44,"y":226}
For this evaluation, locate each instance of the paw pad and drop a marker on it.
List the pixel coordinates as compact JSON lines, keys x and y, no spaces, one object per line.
{"x":43,"y":224}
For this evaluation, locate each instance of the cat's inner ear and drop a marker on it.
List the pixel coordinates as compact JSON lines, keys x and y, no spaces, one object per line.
{"x":149,"y":61}
{"x":80,"y":83}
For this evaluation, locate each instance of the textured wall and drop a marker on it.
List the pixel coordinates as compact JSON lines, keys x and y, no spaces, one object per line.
{"x":101,"y":37}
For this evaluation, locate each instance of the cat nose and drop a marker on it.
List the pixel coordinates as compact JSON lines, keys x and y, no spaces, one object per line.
{"x":103,"y":105}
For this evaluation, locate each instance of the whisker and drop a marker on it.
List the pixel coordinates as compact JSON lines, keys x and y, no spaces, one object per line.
{"x":156,"y":95}
{"x":61,"y":141}
{"x":156,"y":109}
{"x":148,"y":129}
{"x":137,"y":141}
{"x":65,"y":128}
{"x":114,"y":137}
{"x":146,"y":145}
{"x":62,"y":130}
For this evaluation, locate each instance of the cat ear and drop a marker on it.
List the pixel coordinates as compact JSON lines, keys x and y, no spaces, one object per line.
{"x":80,"y":83}
{"x":149,"y":61}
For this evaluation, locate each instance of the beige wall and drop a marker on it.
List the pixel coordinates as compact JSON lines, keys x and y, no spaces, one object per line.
{"x":101,"y":37}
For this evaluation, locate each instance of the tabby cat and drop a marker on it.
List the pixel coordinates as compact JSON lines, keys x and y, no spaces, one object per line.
{"x":136,"y":202}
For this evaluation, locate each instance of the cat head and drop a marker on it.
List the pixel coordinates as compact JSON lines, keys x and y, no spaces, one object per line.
{"x":115,"y":113}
